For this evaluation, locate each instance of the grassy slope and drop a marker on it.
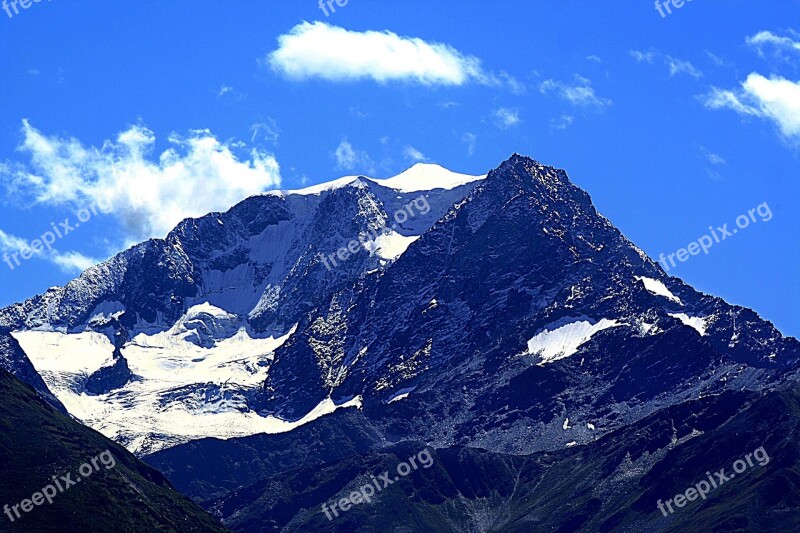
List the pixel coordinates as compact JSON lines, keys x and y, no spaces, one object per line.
{"x":37,"y":442}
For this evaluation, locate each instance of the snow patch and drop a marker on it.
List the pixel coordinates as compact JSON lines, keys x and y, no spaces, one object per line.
{"x":658,"y":288}
{"x":390,"y":245}
{"x":564,"y":341}
{"x":181,"y":392}
{"x":698,"y":323}
{"x":76,"y":354}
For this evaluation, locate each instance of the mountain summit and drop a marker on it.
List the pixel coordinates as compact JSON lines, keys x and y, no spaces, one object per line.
{"x":501,"y":312}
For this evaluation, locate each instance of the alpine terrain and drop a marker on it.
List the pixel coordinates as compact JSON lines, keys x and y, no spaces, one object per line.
{"x":269,"y":359}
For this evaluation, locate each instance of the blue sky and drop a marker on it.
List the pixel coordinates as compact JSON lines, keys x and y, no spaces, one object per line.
{"x":171,"y":109}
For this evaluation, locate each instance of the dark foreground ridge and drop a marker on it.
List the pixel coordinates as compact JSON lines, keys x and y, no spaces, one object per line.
{"x":38,"y":443}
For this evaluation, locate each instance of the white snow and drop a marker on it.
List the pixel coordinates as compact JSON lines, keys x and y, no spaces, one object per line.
{"x":327,"y":186}
{"x":426,"y":177}
{"x":420,"y":177}
{"x":390,"y":245}
{"x":566,"y":425}
{"x":53,"y":352}
{"x":698,"y":323}
{"x":181,"y":392}
{"x":591,"y":426}
{"x":563,"y":341}
{"x":658,"y":288}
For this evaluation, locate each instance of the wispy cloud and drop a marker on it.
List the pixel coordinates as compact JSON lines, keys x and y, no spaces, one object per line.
{"x":711,"y":157}
{"x":579,"y":93}
{"x":779,"y":44}
{"x":414,"y":155}
{"x":643,"y":56}
{"x":350,"y":159}
{"x":70,"y":262}
{"x":676,"y":66}
{"x":470,"y":139}
{"x":197,"y":174}
{"x":505,"y":118}
{"x":775,"y":99}
{"x":266,"y":131}
{"x":562,"y":122}
{"x":319,"y":50}
{"x":717,"y":60}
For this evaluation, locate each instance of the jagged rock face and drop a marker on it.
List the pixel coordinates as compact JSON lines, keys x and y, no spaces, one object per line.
{"x":508,"y":315}
{"x":525,"y":254}
{"x":218,"y":293}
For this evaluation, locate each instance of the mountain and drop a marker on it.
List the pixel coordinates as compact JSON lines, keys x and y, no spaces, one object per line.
{"x":176,"y":336}
{"x":499,"y":317}
{"x":39,"y":445}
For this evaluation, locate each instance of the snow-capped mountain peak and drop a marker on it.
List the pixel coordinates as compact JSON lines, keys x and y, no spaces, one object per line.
{"x":419,"y":177}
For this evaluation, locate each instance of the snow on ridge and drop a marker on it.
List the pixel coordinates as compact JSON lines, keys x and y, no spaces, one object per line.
{"x":658,"y":288}
{"x":420,"y":177}
{"x":426,"y":177}
{"x":564,"y":340}
{"x":696,"y":322}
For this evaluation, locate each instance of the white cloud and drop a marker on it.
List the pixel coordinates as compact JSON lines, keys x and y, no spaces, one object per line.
{"x":224,"y":89}
{"x":776,"y":99}
{"x":779,"y":44}
{"x":10,"y":242}
{"x":69,"y":262}
{"x":505,"y":118}
{"x":594,"y":58}
{"x":414,"y":155}
{"x":580,"y":94}
{"x":348,"y":158}
{"x":196,"y":175}
{"x":320,"y":50}
{"x":73,"y":262}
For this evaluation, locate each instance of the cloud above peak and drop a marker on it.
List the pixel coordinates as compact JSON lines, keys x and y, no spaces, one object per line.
{"x":150,"y":193}
{"x":322,"y":51}
{"x":775,"y":99}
